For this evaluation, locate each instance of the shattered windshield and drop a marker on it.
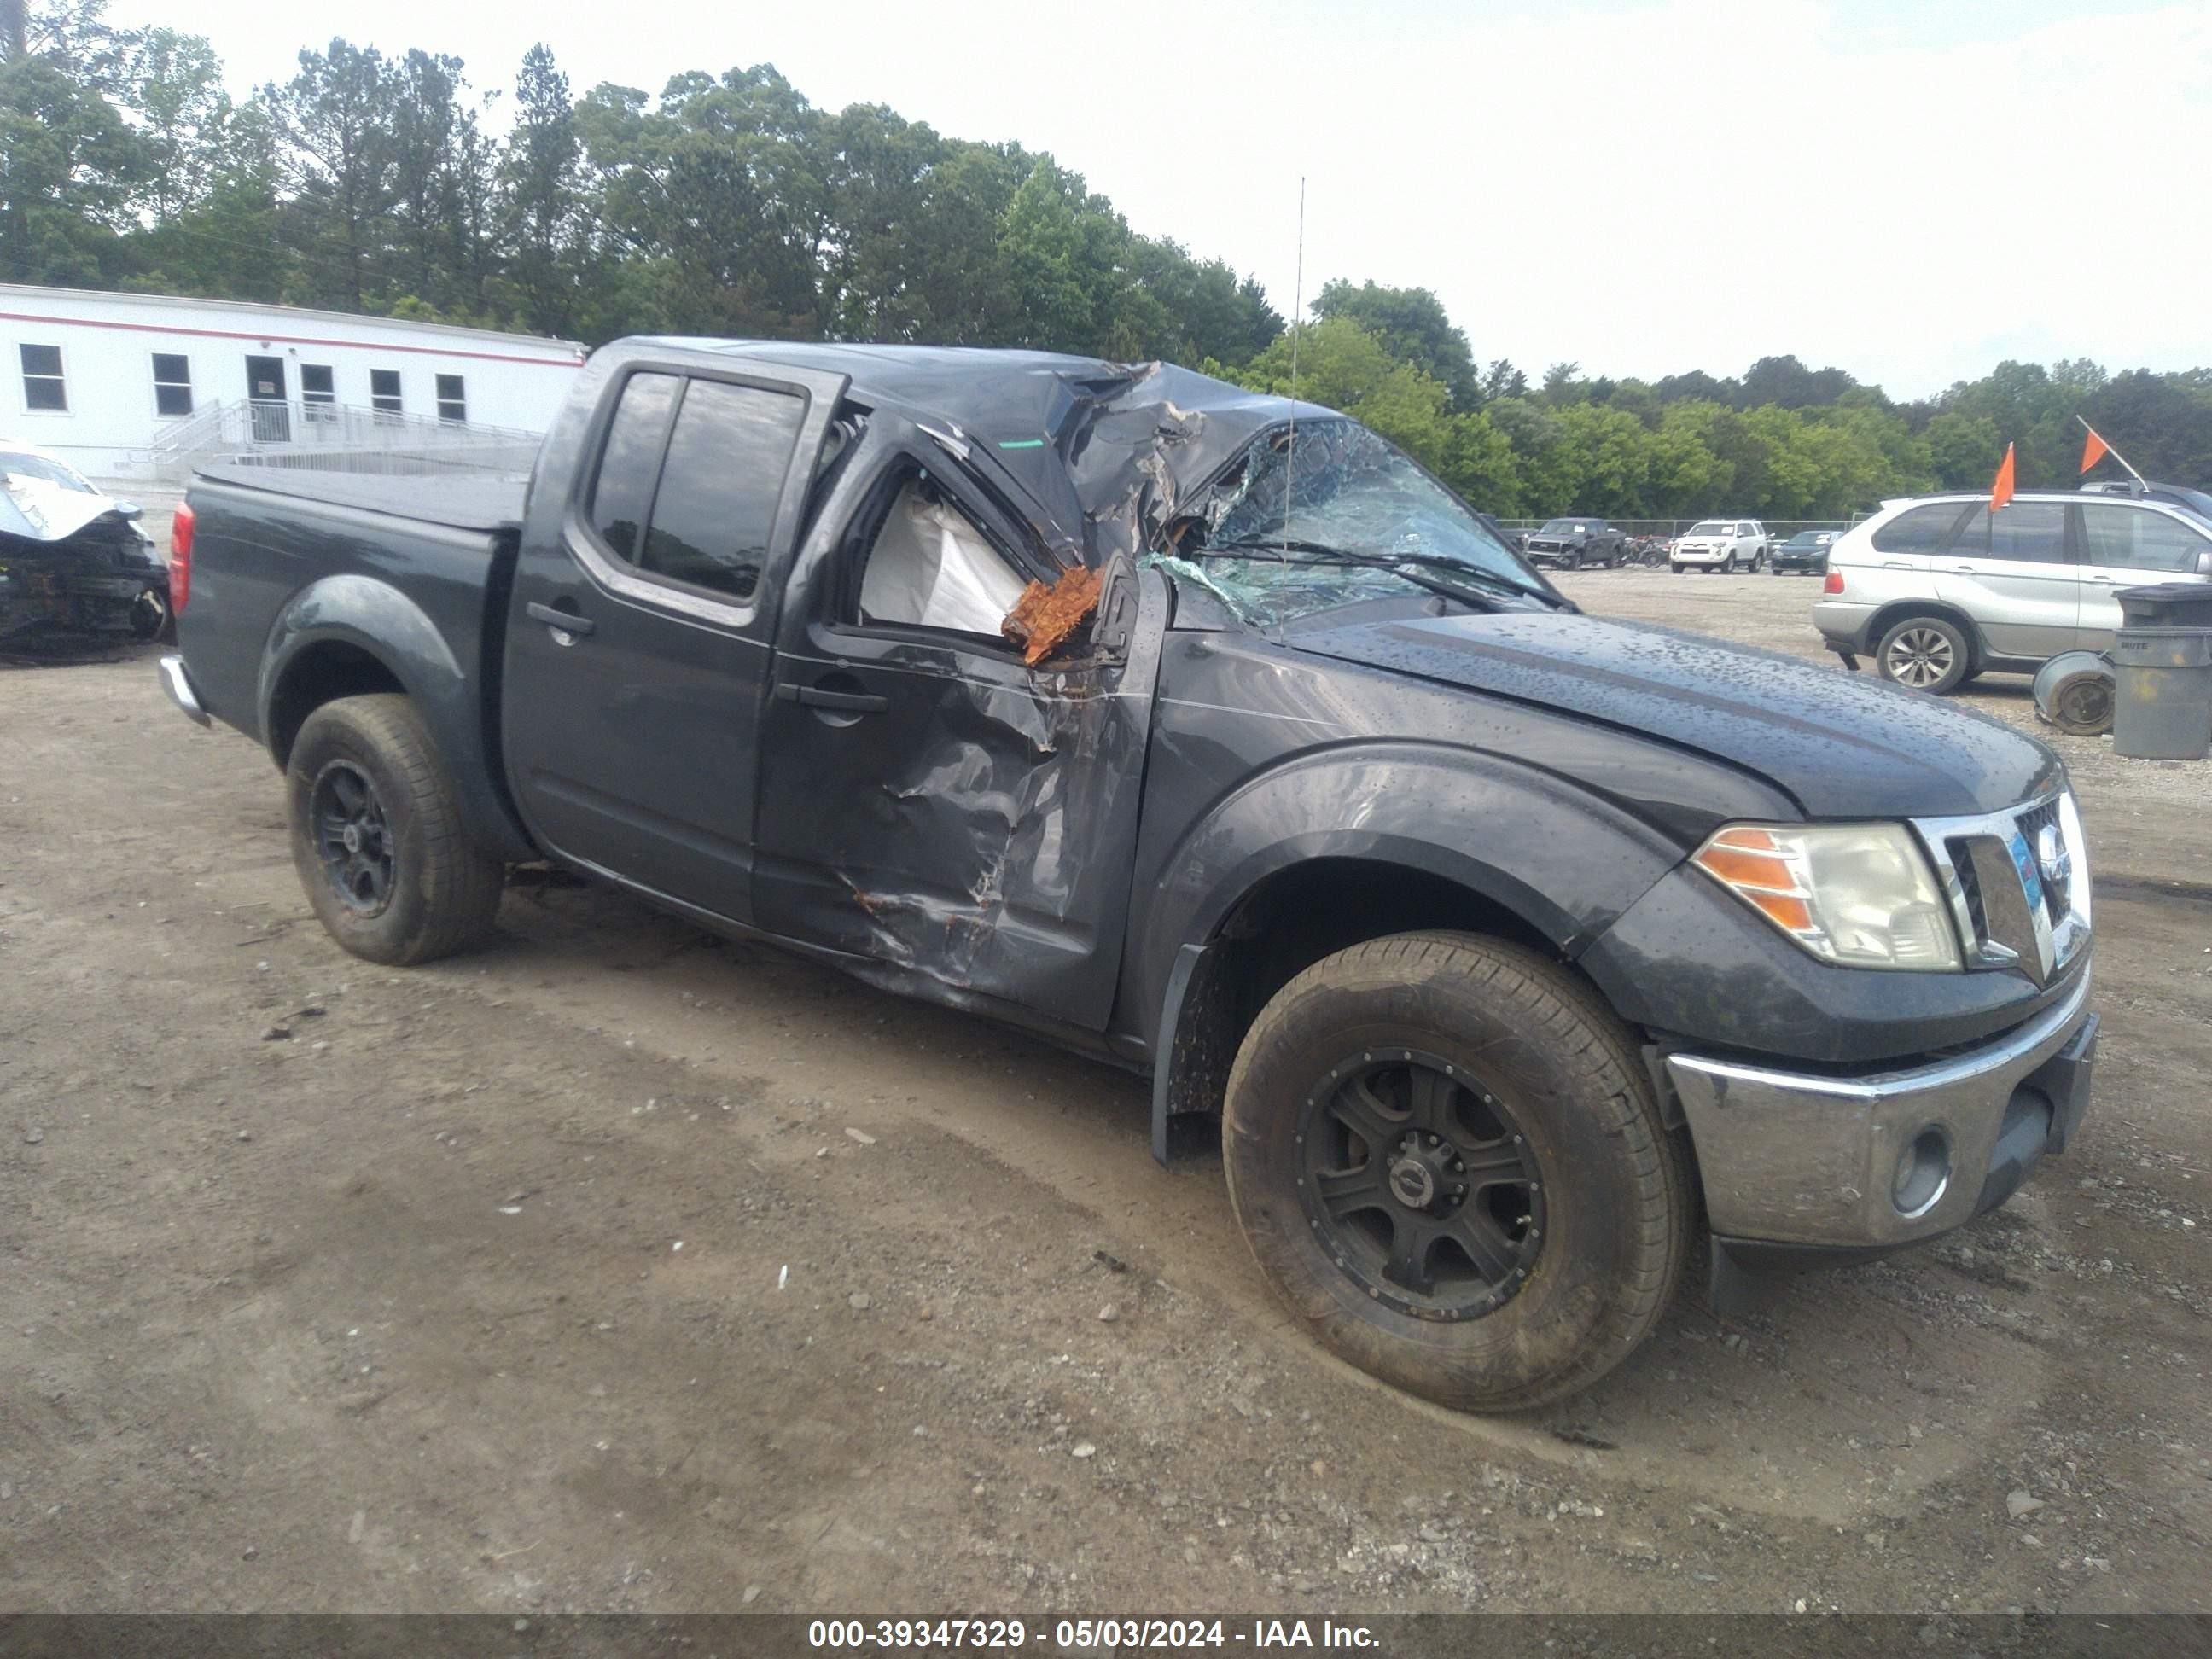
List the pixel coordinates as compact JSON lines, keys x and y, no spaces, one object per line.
{"x":15,"y":464}
{"x":1350,"y":497}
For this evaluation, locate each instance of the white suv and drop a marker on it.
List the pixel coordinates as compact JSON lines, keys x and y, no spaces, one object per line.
{"x":1938,"y":589}
{"x":1721,"y":544}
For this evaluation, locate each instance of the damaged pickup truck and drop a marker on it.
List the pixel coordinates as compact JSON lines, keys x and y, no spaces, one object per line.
{"x":73,"y":562}
{"x":1513,"y":950}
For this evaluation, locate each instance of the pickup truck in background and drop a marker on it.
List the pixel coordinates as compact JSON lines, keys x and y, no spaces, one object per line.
{"x":1575,"y":541}
{"x":1512,"y":949}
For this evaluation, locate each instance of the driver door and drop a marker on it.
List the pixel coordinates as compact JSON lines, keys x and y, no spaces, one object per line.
{"x":928,"y":800}
{"x":2128,"y":544}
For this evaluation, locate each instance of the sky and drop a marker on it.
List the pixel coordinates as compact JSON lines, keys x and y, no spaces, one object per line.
{"x":1910,"y":190}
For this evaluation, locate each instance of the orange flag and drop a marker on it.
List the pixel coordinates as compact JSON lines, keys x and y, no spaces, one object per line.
{"x":2001,"y":488}
{"x":2094,"y":451}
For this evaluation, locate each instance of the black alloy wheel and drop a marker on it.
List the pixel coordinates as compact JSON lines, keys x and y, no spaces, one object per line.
{"x":354,"y":838}
{"x":1419,"y":1184}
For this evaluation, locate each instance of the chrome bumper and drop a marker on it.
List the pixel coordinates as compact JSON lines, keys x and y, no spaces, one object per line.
{"x":179,"y":685}
{"x":1796,"y":1158}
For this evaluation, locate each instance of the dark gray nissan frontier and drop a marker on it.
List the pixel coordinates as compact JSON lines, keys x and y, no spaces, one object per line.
{"x":1207,"y":734}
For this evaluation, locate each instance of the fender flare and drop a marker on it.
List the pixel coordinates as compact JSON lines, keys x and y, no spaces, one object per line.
{"x":377,"y":619}
{"x":1406,"y":806}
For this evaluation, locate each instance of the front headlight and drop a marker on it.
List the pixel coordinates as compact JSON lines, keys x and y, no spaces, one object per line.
{"x":1858,"y":895}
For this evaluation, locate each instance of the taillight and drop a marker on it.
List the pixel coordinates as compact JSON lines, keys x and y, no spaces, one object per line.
{"x":1834,"y":584}
{"x":180,"y":558}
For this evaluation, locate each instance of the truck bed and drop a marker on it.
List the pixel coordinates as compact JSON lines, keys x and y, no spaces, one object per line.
{"x":457,"y":502}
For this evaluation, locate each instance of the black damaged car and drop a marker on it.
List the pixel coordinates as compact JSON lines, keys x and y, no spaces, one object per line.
{"x":1510,"y":950}
{"x":73,"y":565}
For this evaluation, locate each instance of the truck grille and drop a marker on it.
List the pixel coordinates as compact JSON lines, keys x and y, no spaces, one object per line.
{"x":2016,"y":884}
{"x":2055,"y":896}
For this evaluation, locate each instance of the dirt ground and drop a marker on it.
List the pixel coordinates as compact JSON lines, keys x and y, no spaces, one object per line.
{"x":618,"y":1267}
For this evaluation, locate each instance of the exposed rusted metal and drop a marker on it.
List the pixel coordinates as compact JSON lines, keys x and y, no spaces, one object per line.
{"x":1044,"y":619}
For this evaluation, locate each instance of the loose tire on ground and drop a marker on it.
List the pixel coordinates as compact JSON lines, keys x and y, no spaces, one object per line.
{"x":1604,"y":1186}
{"x":408,"y":885}
{"x":1929,"y":653}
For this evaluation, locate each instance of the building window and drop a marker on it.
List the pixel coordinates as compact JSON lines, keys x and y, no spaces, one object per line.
{"x":319,"y":393}
{"x":173,"y":383}
{"x":42,"y":379}
{"x":384,"y":390}
{"x":452,"y":400}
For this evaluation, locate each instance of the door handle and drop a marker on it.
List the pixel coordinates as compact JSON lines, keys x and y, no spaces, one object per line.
{"x":850,"y":703}
{"x":567,"y":621}
{"x":1964,"y":569}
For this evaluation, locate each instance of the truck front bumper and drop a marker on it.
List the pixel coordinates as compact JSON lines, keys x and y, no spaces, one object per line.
{"x":1806,"y":1164}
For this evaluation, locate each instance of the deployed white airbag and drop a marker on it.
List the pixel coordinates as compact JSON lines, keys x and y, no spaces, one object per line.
{"x":932,"y":568}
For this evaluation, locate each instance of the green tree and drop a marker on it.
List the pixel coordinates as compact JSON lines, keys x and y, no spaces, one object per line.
{"x":1412,"y":326}
{"x":335,"y":156}
{"x":1343,"y":367}
{"x":715,"y":194}
{"x":71,"y":167}
{"x":542,"y":231}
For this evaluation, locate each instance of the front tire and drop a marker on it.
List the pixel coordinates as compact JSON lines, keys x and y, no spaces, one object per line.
{"x":1447,"y":1160}
{"x":1928,"y":653}
{"x":377,"y":835}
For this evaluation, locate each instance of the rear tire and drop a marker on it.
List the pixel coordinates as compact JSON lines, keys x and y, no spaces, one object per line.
{"x":1510,"y":1255}
{"x":1928,"y":653}
{"x":377,"y":835}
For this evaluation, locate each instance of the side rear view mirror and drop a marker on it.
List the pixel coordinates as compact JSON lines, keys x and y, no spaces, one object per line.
{"x":129,"y":510}
{"x":2204,"y":562}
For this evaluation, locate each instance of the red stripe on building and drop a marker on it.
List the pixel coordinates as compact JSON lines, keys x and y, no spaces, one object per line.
{"x":292,"y":339}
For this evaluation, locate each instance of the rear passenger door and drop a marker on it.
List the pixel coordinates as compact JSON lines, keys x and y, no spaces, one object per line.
{"x":2011,"y":572}
{"x":639,"y":631}
{"x":2130,"y":544}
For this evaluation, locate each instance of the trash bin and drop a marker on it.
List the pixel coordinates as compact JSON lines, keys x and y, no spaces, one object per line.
{"x":2163,"y":654}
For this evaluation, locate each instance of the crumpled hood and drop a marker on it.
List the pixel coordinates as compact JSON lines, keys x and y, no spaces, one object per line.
{"x":1844,"y":744}
{"x":40,"y":511}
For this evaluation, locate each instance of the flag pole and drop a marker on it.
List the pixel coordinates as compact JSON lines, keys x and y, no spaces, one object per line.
{"x":2113,"y":453}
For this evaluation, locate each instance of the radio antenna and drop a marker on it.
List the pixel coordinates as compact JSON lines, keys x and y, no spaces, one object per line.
{"x":1298,"y":314}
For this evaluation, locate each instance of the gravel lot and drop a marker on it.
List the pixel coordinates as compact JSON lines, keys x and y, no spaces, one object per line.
{"x":619,"y":1267}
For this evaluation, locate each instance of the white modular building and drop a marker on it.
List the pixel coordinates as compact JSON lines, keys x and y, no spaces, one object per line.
{"x":122,"y":385}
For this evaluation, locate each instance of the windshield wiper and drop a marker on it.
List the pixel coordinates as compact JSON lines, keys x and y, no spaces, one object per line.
{"x":1323,"y":553}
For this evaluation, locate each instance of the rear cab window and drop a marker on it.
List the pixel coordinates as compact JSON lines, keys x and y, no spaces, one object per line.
{"x":689,"y":479}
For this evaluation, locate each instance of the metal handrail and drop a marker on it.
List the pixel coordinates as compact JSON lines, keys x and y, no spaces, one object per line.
{"x":337,"y":437}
